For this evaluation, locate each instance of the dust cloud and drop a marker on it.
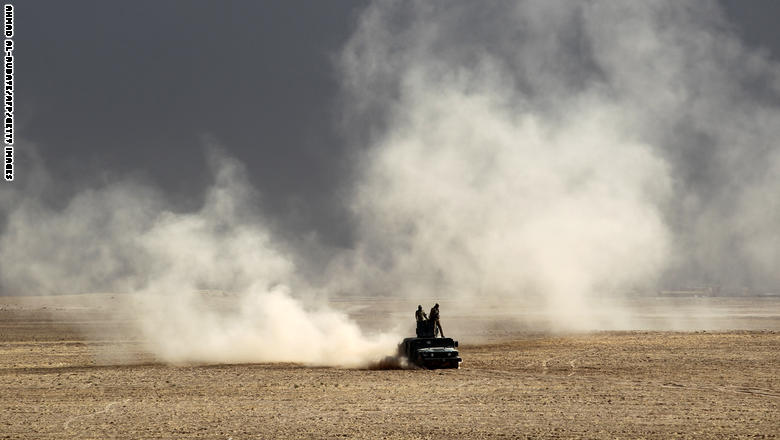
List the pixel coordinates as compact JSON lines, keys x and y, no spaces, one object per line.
{"x":211,"y":285}
{"x":564,"y":156}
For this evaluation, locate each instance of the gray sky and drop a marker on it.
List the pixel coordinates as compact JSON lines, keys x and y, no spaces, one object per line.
{"x":110,"y":89}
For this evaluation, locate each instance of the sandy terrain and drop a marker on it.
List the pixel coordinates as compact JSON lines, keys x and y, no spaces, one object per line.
{"x":64,"y":373}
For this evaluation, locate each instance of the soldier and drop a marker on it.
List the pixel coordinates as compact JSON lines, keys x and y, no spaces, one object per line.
{"x":434,"y":317}
{"x":420,"y":315}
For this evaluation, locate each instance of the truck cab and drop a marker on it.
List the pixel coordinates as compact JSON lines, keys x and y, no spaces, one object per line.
{"x":427,"y":351}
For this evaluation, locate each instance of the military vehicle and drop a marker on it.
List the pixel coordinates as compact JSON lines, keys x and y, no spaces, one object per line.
{"x":428,"y":351}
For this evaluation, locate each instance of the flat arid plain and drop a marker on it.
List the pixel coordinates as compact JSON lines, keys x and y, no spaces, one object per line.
{"x":68,"y":371}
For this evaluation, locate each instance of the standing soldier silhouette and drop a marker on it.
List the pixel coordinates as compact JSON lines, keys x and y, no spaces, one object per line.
{"x":424,"y":327}
{"x":420,"y":315}
{"x":434,"y":317}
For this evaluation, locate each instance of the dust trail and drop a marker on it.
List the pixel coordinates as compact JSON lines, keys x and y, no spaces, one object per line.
{"x":122,"y":239}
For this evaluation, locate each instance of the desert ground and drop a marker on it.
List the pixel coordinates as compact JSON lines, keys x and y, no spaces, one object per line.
{"x":67,"y":371}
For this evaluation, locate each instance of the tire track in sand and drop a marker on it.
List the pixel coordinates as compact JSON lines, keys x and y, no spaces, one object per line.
{"x":545,"y":362}
{"x":108,"y":407}
{"x":725,"y":389}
